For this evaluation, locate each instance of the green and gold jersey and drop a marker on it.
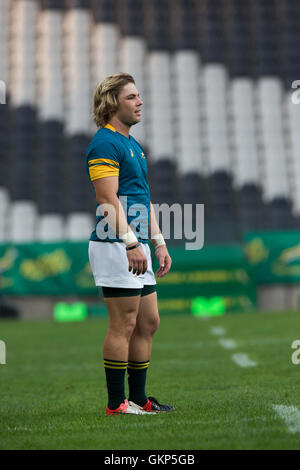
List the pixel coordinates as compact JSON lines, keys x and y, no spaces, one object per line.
{"x":113,"y":154}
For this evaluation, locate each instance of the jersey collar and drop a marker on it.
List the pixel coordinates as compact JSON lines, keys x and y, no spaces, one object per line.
{"x":108,"y":126}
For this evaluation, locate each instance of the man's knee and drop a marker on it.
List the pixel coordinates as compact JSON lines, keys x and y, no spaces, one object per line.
{"x":150,"y":326}
{"x":129,"y":326}
{"x":124,"y":325}
{"x":154,"y":324}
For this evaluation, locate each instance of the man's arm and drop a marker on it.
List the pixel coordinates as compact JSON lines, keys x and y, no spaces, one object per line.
{"x":159,"y":244}
{"x":106,"y":194}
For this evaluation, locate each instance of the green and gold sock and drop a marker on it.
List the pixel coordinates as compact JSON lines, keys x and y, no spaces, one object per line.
{"x":115,"y":381}
{"x":137,"y":373}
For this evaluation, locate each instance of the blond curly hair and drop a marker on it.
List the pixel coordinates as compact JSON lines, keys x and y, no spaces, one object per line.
{"x":106,"y":97}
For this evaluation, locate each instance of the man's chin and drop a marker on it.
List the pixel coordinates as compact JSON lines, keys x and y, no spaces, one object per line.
{"x":135,"y":121}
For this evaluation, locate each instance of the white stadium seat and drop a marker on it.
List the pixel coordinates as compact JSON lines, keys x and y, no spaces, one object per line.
{"x":186,"y":69}
{"x":160,"y":137}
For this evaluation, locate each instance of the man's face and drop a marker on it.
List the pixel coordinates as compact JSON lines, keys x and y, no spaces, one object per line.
{"x":130,"y":105}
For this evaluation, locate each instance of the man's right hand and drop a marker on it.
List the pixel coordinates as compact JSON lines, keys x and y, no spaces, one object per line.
{"x":137,"y":260}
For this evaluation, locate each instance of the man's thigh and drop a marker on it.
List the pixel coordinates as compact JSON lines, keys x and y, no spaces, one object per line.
{"x":148,"y":310}
{"x":121,"y":310}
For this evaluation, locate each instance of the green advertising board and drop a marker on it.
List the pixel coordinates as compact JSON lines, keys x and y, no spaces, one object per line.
{"x":213,"y":280}
{"x":46,"y":269}
{"x":273,"y":257}
{"x":210,"y":281}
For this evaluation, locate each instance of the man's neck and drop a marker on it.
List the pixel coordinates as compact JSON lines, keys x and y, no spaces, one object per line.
{"x":120,"y":126}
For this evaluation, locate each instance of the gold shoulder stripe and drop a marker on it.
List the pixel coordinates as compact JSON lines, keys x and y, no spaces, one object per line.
{"x":101,"y":171}
{"x":103,"y":160}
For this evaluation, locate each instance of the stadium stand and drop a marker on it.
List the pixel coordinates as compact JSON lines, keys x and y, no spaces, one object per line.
{"x":50,"y":77}
{"x":219,"y":125}
{"x":22,"y":85}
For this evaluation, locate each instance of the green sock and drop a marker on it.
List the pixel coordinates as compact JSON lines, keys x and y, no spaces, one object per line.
{"x":115,"y":381}
{"x":137,"y":373}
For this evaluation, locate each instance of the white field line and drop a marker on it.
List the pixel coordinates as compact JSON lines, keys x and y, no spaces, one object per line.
{"x":228,"y":343}
{"x":218,"y":331}
{"x":243,"y":360}
{"x":290,"y":415}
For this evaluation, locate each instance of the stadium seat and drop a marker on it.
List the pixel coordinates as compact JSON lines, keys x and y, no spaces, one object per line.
{"x":4,"y":214}
{"x":251,"y":209}
{"x":51,"y":226}
{"x":187,"y":124}
{"x":4,"y":40}
{"x":211,"y":35}
{"x":52,"y":4}
{"x":163,"y":177}
{"x":4,"y":142}
{"x":280,"y":214}
{"x":78,"y":94}
{"x":104,"y":11}
{"x":105,"y":56}
{"x":157,"y":26}
{"x":292,"y":112}
{"x":5,"y":162}
{"x":80,"y":197}
{"x":274,"y":168}
{"x":230,"y":232}
{"x":79,"y":4}
{"x":50,"y":168}
{"x":130,"y":17}
{"x":79,"y":226}
{"x":50,"y":62}
{"x":220,"y":196}
{"x":133,"y":55}
{"x":192,"y":188}
{"x":238,"y":37}
{"x":23,"y":213}
{"x":183,"y":25}
{"x":160,"y":137}
{"x":244,"y":143}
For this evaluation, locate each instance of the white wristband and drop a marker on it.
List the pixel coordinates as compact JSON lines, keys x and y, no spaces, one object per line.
{"x":129,"y":238}
{"x":158,"y":239}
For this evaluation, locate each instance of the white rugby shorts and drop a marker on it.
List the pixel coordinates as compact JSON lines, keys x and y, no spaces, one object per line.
{"x":109,"y":265}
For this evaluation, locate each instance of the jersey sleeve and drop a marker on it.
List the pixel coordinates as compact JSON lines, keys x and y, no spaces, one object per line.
{"x":103,"y":159}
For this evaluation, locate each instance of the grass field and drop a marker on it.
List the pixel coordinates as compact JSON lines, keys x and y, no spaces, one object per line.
{"x":53,"y":396}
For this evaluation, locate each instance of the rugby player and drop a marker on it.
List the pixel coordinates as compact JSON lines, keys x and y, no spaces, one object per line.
{"x":119,"y":254}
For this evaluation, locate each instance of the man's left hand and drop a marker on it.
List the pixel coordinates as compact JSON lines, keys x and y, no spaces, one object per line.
{"x":164,"y":260}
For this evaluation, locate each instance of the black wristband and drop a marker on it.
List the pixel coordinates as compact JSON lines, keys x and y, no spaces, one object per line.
{"x":133,"y":247}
